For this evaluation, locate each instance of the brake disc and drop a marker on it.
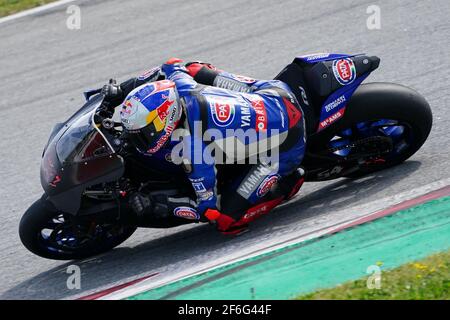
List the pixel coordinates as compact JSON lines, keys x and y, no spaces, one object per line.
{"x":367,"y":147}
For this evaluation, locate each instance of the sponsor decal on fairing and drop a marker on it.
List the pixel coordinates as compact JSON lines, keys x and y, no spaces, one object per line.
{"x":325,"y":123}
{"x":317,"y":56}
{"x":336,"y":103}
{"x":344,"y":71}
{"x":335,"y":106}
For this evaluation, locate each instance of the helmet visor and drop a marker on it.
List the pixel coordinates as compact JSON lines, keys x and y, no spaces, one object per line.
{"x":146,"y":138}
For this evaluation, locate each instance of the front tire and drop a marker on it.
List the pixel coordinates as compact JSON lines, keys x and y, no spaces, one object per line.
{"x":61,"y":244}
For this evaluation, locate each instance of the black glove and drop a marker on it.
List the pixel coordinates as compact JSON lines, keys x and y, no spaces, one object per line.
{"x":113,"y":94}
{"x":165,"y":206}
{"x":140,"y":203}
{"x":162,"y":206}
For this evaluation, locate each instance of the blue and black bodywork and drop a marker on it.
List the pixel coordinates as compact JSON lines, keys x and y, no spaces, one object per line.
{"x":354,"y":128}
{"x":313,"y":80}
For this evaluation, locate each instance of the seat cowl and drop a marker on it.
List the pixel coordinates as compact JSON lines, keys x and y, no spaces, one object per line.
{"x":324,"y":77}
{"x":320,"y":57}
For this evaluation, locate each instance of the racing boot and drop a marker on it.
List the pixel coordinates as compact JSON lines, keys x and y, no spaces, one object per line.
{"x":225,"y":224}
{"x":291,"y":184}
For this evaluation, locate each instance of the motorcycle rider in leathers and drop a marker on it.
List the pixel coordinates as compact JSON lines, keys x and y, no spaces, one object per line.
{"x":189,"y":96}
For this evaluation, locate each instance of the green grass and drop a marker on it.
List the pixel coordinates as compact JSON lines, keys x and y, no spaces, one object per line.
{"x":8,"y":7}
{"x":427,"y":279}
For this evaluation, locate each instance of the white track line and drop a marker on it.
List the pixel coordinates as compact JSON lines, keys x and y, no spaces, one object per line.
{"x":35,"y":10}
{"x":358,"y":212}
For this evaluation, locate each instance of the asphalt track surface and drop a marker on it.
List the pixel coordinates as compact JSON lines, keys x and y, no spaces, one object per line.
{"x":44,"y":67}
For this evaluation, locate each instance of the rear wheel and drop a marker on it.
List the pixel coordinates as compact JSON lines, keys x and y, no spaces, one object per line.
{"x":55,"y":235}
{"x":384,"y":124}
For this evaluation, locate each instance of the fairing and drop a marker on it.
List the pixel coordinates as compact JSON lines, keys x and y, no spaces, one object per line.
{"x":78,"y":156}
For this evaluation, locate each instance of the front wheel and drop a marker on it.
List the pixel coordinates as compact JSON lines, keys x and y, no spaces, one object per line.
{"x":55,"y":235}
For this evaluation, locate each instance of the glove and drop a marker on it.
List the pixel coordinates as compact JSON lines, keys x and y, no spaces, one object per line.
{"x":165,"y":206}
{"x":113,"y":94}
{"x":162,"y":206}
{"x":171,"y":66}
{"x":140,"y":203}
{"x":112,"y":90}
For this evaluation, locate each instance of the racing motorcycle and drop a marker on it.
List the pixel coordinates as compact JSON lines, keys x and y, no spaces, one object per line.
{"x":88,"y":168}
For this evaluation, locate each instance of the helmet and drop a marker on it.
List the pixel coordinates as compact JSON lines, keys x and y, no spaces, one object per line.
{"x":150,"y":114}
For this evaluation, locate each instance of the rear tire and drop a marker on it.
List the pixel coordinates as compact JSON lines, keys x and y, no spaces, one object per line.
{"x":376,"y":101}
{"x":35,"y":219}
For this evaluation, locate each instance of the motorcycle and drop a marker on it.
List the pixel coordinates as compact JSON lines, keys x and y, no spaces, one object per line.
{"x":88,"y":169}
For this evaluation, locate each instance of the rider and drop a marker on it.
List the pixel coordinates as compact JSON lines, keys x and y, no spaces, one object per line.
{"x":197,"y":97}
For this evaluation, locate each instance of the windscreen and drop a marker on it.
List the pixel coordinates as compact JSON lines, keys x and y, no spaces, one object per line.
{"x":82,"y":141}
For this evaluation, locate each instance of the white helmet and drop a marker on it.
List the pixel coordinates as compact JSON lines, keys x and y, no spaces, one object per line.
{"x":150,"y":114}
